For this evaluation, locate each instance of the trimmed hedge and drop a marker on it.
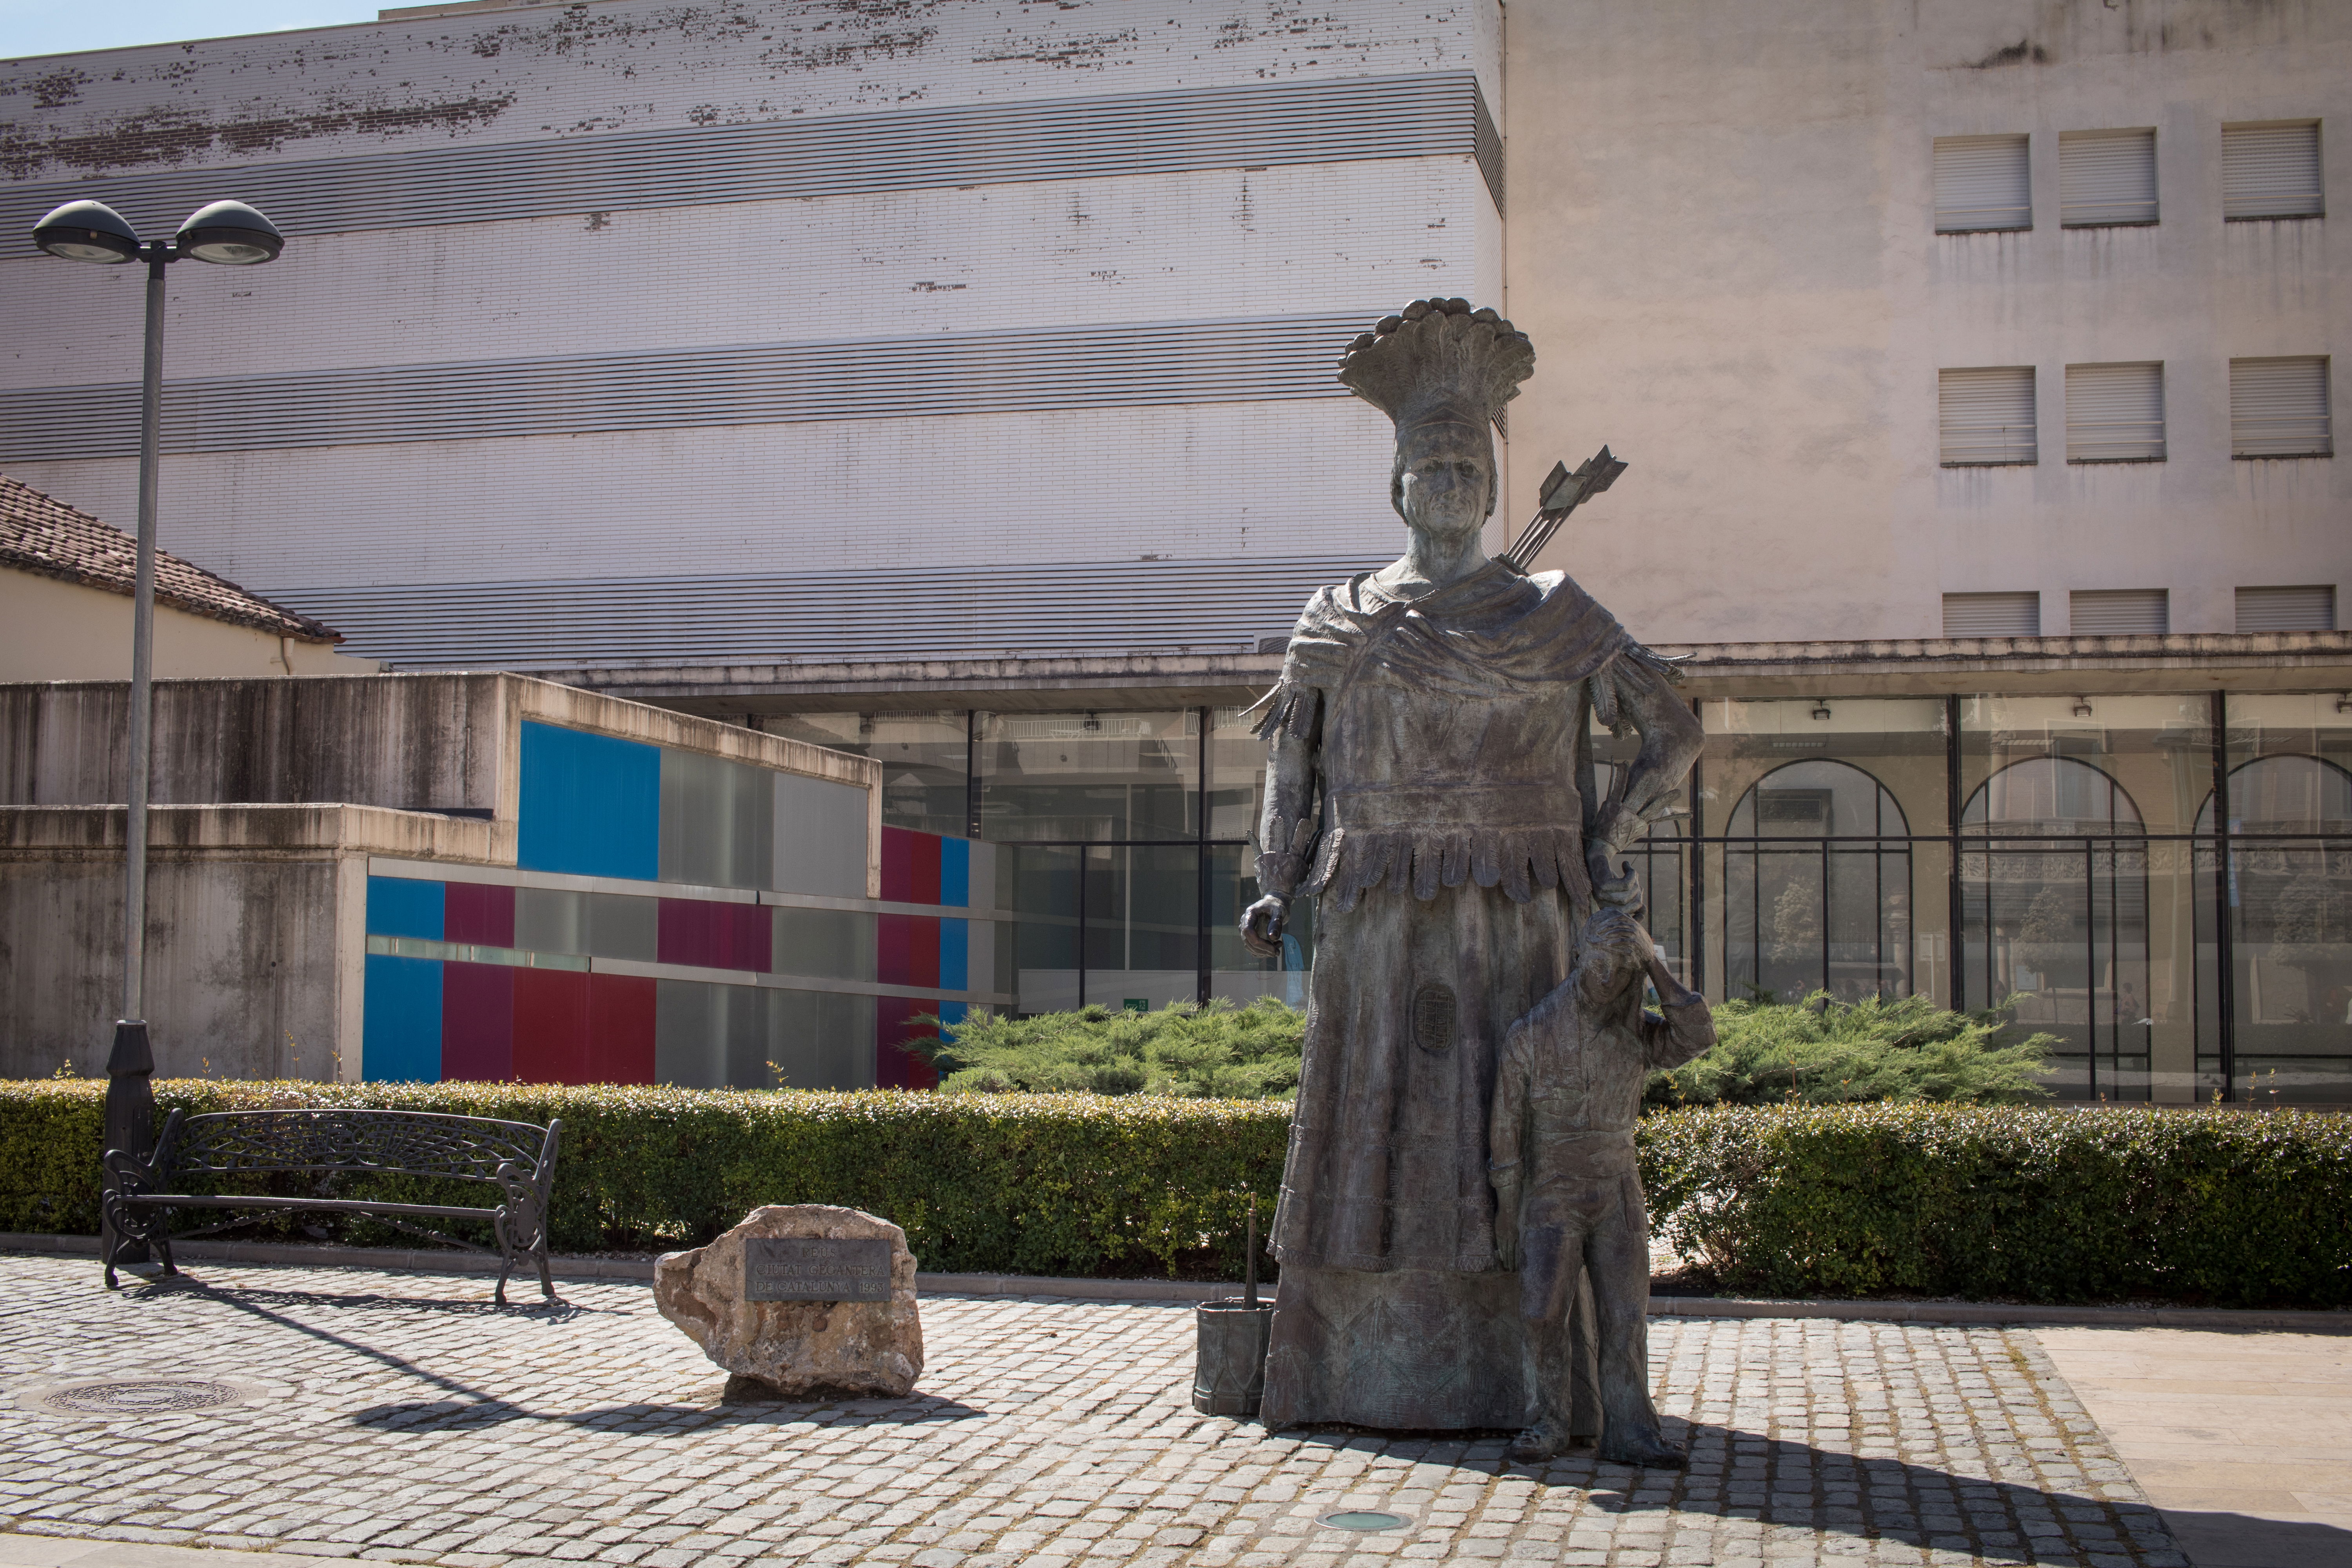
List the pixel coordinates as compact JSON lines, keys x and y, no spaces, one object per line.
{"x":2210,"y":1205}
{"x":2216,"y":1206}
{"x":1045,"y":1184}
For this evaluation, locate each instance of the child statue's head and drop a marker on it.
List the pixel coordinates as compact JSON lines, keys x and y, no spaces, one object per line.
{"x":1612,"y":951}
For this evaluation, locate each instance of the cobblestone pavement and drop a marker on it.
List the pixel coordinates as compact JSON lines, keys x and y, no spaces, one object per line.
{"x":401,"y":1418}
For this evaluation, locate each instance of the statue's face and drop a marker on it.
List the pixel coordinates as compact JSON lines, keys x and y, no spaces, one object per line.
{"x":1445,"y":474}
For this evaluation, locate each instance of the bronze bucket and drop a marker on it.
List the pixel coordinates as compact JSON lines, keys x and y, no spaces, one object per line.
{"x":1230,"y":1377}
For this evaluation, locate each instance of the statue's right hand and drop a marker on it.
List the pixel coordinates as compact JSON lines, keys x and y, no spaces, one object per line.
{"x":1262,"y":925}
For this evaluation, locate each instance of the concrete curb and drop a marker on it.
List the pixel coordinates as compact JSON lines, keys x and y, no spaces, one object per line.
{"x":420,"y":1261}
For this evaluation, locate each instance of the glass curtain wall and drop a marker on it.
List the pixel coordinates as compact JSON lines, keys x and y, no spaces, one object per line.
{"x":2163,"y":882}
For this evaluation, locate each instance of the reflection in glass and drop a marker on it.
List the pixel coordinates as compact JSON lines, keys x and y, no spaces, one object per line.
{"x":923,"y":758}
{"x":2054,"y":893}
{"x":1040,"y":884}
{"x":1142,"y":925}
{"x":2290,"y":903}
{"x":1817,"y":887}
{"x":1088,"y":776}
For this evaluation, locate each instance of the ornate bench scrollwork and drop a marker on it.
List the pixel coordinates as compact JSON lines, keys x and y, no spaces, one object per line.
{"x":220,"y":1148}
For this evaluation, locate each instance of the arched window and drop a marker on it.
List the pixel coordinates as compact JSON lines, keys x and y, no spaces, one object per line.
{"x":2290,"y":922}
{"x":1818,"y":885}
{"x":2054,"y":886}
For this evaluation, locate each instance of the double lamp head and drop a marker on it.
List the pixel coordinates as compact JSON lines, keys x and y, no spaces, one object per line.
{"x":229,"y":233}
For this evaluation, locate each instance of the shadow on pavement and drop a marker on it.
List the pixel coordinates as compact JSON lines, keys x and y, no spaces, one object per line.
{"x":1749,"y":1475}
{"x":2243,"y":1541}
{"x":445,"y":1415}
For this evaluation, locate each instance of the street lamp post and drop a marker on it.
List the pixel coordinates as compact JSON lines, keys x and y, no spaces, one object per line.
{"x":229,"y":233}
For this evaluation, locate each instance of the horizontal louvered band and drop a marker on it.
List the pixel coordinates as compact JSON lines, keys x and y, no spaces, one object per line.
{"x":947,"y":613}
{"x":2115,"y":413}
{"x":1259,"y":124}
{"x":1986,"y":416}
{"x":2004,"y":615}
{"x":1120,"y":364}
{"x":2271,"y":171}
{"x":2278,"y":408}
{"x":2107,"y":177}
{"x":1981,"y":183}
{"x":2119,"y":611}
{"x":2307,"y":608}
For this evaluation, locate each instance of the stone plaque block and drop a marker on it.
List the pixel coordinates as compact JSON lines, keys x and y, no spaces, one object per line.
{"x":801,"y":1301}
{"x":815,"y":1268}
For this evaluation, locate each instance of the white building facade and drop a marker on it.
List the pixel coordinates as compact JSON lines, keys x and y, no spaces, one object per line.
{"x":951,"y":383}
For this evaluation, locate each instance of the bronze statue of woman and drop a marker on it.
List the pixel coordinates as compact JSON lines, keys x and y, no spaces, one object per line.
{"x":1431,"y":783}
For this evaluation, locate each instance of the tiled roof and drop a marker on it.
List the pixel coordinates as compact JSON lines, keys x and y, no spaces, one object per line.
{"x":40,"y":533}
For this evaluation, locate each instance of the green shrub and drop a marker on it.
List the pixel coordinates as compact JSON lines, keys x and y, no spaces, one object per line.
{"x":2212,"y":1206}
{"x":1042,"y":1185}
{"x":1219,"y":1051}
{"x":1823,"y":1051}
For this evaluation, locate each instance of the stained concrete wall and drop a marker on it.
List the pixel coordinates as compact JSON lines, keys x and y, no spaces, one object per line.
{"x":1722,"y":240}
{"x":51,"y":629}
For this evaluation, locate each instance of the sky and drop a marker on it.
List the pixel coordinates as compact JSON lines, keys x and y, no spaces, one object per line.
{"x":55,"y":26}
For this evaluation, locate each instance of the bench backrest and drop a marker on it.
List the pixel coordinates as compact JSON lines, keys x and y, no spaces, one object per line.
{"x":409,"y":1142}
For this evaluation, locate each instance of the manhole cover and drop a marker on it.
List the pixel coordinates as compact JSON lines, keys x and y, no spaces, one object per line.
{"x":1363,"y":1519}
{"x":140,"y":1396}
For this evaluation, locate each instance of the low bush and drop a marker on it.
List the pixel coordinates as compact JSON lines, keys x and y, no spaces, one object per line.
{"x":1043,"y":1184}
{"x":2218,"y":1206}
{"x":1219,"y":1051}
{"x":1824,"y":1051}
{"x":2025,"y":1203}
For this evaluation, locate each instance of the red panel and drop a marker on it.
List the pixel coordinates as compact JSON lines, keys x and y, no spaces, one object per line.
{"x":620,"y":1029}
{"x":478,"y":1016}
{"x":896,"y":1067}
{"x":478,"y":913}
{"x":910,"y":866}
{"x":907,"y":950}
{"x":710,"y":934}
{"x":550,"y":1026}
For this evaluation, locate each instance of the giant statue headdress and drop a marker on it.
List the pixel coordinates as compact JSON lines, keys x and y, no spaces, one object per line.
{"x":1438,"y":361}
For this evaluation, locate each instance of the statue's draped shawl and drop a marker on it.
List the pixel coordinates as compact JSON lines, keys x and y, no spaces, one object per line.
{"x":1421,"y":798}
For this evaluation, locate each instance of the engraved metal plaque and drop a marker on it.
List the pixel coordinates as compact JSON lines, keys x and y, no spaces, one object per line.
{"x":811,"y":1268}
{"x":1433,"y":1016}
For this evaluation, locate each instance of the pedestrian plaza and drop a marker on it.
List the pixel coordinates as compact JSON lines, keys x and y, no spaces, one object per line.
{"x":400,"y":1418}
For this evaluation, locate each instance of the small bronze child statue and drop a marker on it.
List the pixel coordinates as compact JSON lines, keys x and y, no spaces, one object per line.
{"x":1569,"y":1198}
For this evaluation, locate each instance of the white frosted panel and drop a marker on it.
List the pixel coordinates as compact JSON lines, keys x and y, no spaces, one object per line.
{"x":820,"y":837}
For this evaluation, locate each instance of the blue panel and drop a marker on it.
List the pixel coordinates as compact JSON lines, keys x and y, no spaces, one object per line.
{"x":591,"y":804}
{"x":400,"y":906}
{"x":950,"y":1014}
{"x":402,"y":1038}
{"x":955,"y":952}
{"x":955,"y":873}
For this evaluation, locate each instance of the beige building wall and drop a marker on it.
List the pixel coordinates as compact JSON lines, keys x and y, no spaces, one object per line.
{"x":1722,"y":240}
{"x":51,"y":629}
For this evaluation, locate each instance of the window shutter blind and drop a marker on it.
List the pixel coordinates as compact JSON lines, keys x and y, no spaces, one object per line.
{"x":2107,"y":177}
{"x":1981,"y":181}
{"x":2271,"y":171}
{"x":2120,"y":613}
{"x":1992,"y":615}
{"x":2311,"y":608}
{"x":2278,"y":408}
{"x":1988,"y":415}
{"x":2115,"y":413}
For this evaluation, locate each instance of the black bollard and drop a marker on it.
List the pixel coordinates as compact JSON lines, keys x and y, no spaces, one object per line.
{"x":1229,"y":1374}
{"x":129,"y":1118}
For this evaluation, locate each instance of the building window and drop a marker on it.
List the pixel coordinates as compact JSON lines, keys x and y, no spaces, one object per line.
{"x":2106,"y":178}
{"x":2278,"y":408}
{"x":2115,"y":413}
{"x":1817,"y":874}
{"x":2271,"y":171}
{"x":1988,"y":415}
{"x":2309,"y":608}
{"x":1992,"y":615}
{"x":1981,"y":183}
{"x":2119,"y":611}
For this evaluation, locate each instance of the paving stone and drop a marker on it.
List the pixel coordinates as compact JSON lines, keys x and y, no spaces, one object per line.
{"x":420,"y":1425}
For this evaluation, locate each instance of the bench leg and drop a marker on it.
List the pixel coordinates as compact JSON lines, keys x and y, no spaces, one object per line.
{"x":546,"y":1281}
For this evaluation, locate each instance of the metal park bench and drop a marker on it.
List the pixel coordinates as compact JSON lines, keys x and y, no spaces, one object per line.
{"x":322,"y":1146}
